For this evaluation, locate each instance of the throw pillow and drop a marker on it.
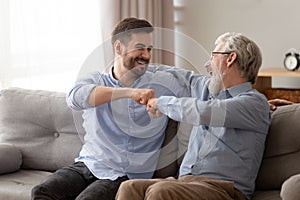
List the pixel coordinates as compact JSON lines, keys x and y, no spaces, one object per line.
{"x":11,"y":158}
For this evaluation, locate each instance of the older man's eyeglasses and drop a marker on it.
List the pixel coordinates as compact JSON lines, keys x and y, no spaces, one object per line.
{"x":220,"y":52}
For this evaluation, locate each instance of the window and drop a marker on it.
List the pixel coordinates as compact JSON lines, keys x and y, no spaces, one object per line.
{"x":46,"y":42}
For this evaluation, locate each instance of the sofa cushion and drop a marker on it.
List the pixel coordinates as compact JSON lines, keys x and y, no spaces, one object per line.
{"x":183,"y":136}
{"x":167,"y":163}
{"x":11,"y":158}
{"x":173,"y":149}
{"x":41,"y":126}
{"x":18,"y":185}
{"x":282,"y":152}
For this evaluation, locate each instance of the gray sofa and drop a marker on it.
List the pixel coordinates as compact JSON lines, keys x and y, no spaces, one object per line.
{"x":39,"y":134}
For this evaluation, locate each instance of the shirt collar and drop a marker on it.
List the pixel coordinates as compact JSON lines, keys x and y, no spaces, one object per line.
{"x":235,"y":90}
{"x":117,"y":82}
{"x":112,"y":78}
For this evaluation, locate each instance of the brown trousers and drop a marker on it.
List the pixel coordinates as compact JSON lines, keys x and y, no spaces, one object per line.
{"x":187,"y":187}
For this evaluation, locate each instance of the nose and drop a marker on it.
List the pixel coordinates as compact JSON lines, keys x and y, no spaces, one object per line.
{"x":211,"y":57}
{"x":146,"y":54}
{"x":207,"y":64}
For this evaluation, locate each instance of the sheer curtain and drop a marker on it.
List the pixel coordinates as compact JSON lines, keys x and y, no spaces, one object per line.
{"x":45,"y":42}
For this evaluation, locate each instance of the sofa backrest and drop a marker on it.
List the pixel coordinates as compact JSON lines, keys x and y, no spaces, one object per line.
{"x":49,"y":136}
{"x":41,"y":126}
{"x":282,"y":153}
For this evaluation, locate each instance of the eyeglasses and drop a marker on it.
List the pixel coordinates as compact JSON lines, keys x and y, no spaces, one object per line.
{"x":219,"y":52}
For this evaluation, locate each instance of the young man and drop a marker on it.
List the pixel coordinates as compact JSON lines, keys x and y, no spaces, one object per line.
{"x":230,"y":121}
{"x":122,"y":141}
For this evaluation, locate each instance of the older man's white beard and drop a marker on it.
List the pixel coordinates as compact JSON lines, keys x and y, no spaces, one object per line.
{"x":216,"y":84}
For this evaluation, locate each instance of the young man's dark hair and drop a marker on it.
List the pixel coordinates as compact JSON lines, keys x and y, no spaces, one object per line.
{"x":124,"y":29}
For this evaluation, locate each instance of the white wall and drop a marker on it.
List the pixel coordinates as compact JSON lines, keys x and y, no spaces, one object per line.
{"x":273,"y":24}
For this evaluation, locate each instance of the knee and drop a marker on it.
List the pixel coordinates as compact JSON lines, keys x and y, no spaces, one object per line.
{"x":126,"y":188}
{"x":128,"y":185}
{"x":36,"y":190}
{"x":133,"y":189}
{"x":290,"y":188}
{"x":39,"y":192}
{"x":158,"y":191}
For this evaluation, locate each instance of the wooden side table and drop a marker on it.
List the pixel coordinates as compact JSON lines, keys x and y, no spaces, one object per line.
{"x":264,"y":79}
{"x":264,"y":83}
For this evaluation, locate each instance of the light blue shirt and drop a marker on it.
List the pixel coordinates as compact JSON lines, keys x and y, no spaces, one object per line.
{"x":229,"y":132}
{"x":121,"y":138}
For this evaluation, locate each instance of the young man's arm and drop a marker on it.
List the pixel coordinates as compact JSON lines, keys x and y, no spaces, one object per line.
{"x":90,"y":92}
{"x":103,"y":94}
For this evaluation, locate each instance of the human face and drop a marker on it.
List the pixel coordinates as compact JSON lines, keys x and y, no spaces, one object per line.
{"x":137,"y":53}
{"x":215,"y":67}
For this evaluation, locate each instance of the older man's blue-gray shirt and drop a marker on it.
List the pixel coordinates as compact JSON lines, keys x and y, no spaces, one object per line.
{"x":228,"y":137}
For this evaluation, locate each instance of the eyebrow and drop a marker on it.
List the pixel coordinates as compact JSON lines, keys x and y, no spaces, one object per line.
{"x":141,"y":45}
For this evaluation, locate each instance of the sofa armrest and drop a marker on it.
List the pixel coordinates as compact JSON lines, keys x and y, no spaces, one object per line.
{"x":291,"y":188}
{"x":11,"y":158}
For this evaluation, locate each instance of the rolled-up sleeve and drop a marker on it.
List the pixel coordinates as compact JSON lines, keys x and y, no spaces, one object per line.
{"x":77,"y":97}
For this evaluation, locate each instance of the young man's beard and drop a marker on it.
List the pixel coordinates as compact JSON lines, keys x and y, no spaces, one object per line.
{"x":216,"y":84}
{"x":129,"y":63}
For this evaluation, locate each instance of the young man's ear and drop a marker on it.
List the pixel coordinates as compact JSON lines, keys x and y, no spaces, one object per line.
{"x":231,"y":58}
{"x":118,"y":47}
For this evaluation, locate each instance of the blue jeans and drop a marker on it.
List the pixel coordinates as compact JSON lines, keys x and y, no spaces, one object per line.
{"x":76,"y":182}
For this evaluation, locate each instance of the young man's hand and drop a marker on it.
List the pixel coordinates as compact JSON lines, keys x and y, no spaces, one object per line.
{"x":142,"y":96}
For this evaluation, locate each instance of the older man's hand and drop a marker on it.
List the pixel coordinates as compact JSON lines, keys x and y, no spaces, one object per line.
{"x":152,"y":108}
